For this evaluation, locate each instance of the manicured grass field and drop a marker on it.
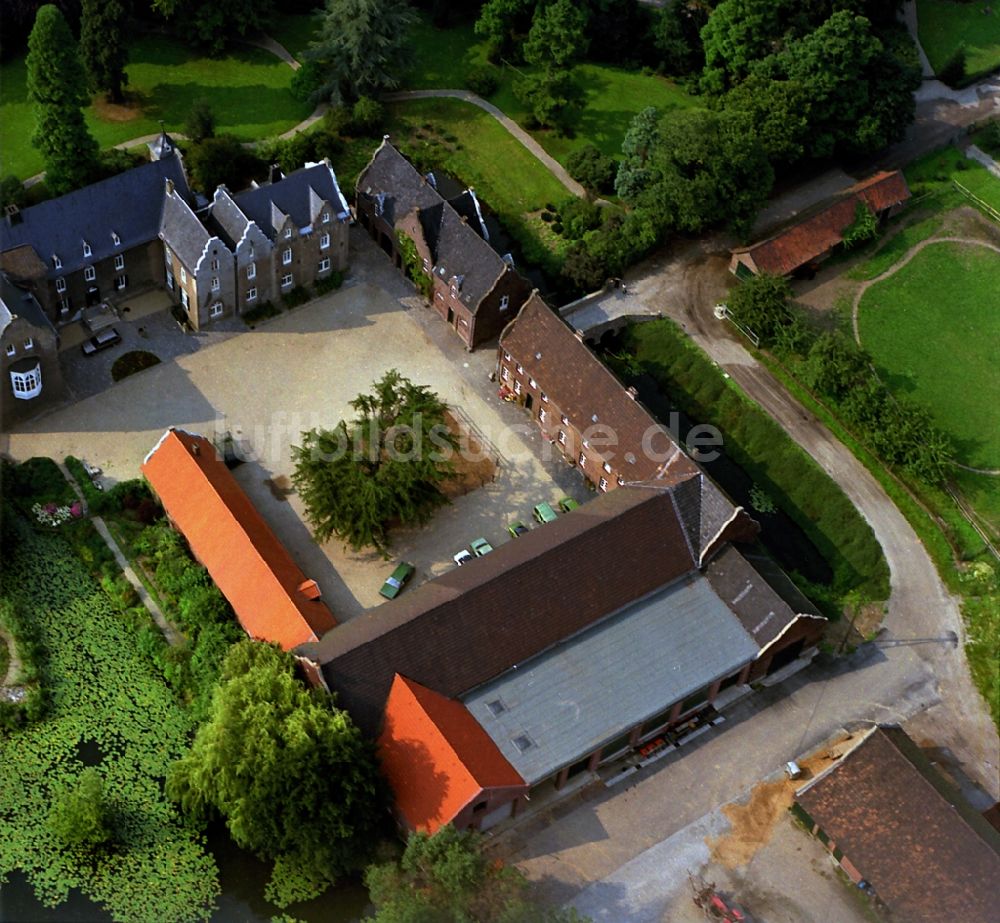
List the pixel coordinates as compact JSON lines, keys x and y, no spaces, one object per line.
{"x":248,"y":88}
{"x":945,"y":24}
{"x":932,"y":329}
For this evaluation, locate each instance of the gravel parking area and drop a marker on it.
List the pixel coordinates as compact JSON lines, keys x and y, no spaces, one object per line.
{"x":298,"y":371}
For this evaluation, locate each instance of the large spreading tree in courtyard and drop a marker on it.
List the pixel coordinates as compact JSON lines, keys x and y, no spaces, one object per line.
{"x":57,"y":86}
{"x":446,"y":878}
{"x":387,"y":465}
{"x":288,"y":771}
{"x":103,"y":26}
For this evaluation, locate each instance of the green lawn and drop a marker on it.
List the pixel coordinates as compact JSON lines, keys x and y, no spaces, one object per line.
{"x":248,"y":88}
{"x":609,"y":98}
{"x":946,"y":24}
{"x":106,"y":704}
{"x":932,"y":329}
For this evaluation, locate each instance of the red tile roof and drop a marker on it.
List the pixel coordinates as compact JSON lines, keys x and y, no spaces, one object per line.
{"x":929,"y":855}
{"x":812,"y":237}
{"x":230,"y":538}
{"x":437,"y":757}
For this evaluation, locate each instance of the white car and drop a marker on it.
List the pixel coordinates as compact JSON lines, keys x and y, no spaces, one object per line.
{"x":463,"y":557}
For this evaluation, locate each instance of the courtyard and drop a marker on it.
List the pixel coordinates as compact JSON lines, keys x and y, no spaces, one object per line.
{"x":301,"y":370}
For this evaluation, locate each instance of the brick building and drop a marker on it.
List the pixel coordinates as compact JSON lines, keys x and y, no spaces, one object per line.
{"x":895,"y":824}
{"x":472,"y":287}
{"x":622,"y":622}
{"x":579,"y":405}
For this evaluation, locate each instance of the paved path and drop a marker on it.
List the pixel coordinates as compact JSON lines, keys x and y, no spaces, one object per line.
{"x":13,"y":659}
{"x":551,"y":164}
{"x":980,"y":156}
{"x":910,"y":18}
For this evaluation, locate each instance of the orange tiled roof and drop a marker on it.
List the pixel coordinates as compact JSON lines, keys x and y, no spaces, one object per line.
{"x":270,"y":595}
{"x":802,"y":242}
{"x":436,"y":756}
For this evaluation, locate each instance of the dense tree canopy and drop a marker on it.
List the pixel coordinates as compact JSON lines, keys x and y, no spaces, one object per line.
{"x":221,"y":159}
{"x":360,"y":48}
{"x":761,"y":303}
{"x":557,"y":36}
{"x":57,"y":86}
{"x":288,"y":771}
{"x":384,"y":466}
{"x":103,"y":33}
{"x":446,"y":878}
{"x":213,"y":23}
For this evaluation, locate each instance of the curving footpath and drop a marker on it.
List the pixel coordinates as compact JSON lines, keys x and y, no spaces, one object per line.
{"x":551,"y":164}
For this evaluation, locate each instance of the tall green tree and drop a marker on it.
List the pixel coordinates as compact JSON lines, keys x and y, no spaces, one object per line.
{"x":762,"y":304}
{"x":289,"y":772}
{"x":57,"y":87}
{"x":503,"y":23}
{"x":103,"y":30}
{"x":635,"y":172}
{"x":385,"y":465}
{"x":558,"y":35}
{"x":446,"y":878}
{"x":361,"y":48}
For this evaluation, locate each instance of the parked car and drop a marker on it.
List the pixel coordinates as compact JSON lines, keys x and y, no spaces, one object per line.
{"x":544,"y":513}
{"x":395,"y":582}
{"x":102,"y":340}
{"x":480,"y":547}
{"x":568,"y":504}
{"x":517,"y":529}
{"x":462,"y":557}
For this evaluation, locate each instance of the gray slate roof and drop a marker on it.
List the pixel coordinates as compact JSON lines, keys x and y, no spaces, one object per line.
{"x":402,"y":187}
{"x":17,"y":302}
{"x":181,"y":230}
{"x":295,"y":195}
{"x":128,"y":204}
{"x":630,"y":667}
{"x":225,"y":218}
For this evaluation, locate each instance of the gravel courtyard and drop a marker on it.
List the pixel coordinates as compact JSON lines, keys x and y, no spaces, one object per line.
{"x":298,"y":371}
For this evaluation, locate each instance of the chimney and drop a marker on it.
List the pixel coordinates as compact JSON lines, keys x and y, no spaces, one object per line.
{"x":195,"y":448}
{"x":13,"y":214}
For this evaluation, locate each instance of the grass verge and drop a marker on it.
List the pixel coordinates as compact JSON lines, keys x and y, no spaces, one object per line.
{"x":945,"y":25}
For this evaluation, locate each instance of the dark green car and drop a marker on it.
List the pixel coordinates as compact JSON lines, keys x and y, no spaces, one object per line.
{"x":393,"y":586}
{"x":544,"y":513}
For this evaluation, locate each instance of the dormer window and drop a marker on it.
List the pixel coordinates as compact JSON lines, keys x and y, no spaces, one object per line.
{"x":56,"y":262}
{"x":505,"y":302}
{"x":116,"y":239}
{"x":86,"y":249}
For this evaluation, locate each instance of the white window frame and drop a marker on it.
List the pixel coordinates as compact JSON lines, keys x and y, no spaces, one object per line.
{"x":562,"y":437}
{"x":121,"y":283}
{"x":602,"y":484}
{"x":250,"y":252}
{"x":89,"y":273}
{"x":517,"y":387}
{"x":60,"y":285}
{"x":541,"y":414}
{"x":26,"y":385}
{"x":215,"y":265}
{"x":288,"y":233}
{"x":120,"y":261}
{"x":184,"y":298}
{"x":184,"y":275}
{"x":251,"y":294}
{"x":506,"y":357}
{"x":532,"y":382}
{"x":504,"y":374}
{"x":287,"y":280}
{"x":170,"y":280}
{"x":324,"y":242}
{"x":252,"y":271}
{"x":607,"y":468}
{"x":504,"y":302}
{"x":582,"y":460}
{"x":29,"y":343}
{"x":564,"y":420}
{"x":324,"y":264}
{"x":56,"y":262}
{"x":87,"y":252}
{"x":115,"y":239}
{"x":326,"y":217}
{"x":11,"y":349}
{"x":216,"y":284}
{"x":520,"y":369}
{"x":216,"y":309}
{"x":286,"y":256}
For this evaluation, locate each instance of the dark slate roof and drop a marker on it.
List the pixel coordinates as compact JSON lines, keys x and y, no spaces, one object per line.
{"x":762,"y":612}
{"x":403,"y":188}
{"x":181,"y":230}
{"x":929,"y":856}
{"x":457,"y":245}
{"x":17,"y":302}
{"x":475,"y":622}
{"x":294,"y":196}
{"x":467,"y":206}
{"x":128,"y":204}
{"x":225,"y":219}
{"x":459,"y":251}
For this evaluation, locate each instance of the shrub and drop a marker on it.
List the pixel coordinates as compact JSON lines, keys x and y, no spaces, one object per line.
{"x":578,"y":216}
{"x":483,"y":80}
{"x":591,"y":168}
{"x":200,"y":122}
{"x":367,"y":116}
{"x":222,"y":160}
{"x":953,"y":72}
{"x":297,"y":296}
{"x":329,"y":283}
{"x":12,"y":192}
{"x":261,"y":312}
